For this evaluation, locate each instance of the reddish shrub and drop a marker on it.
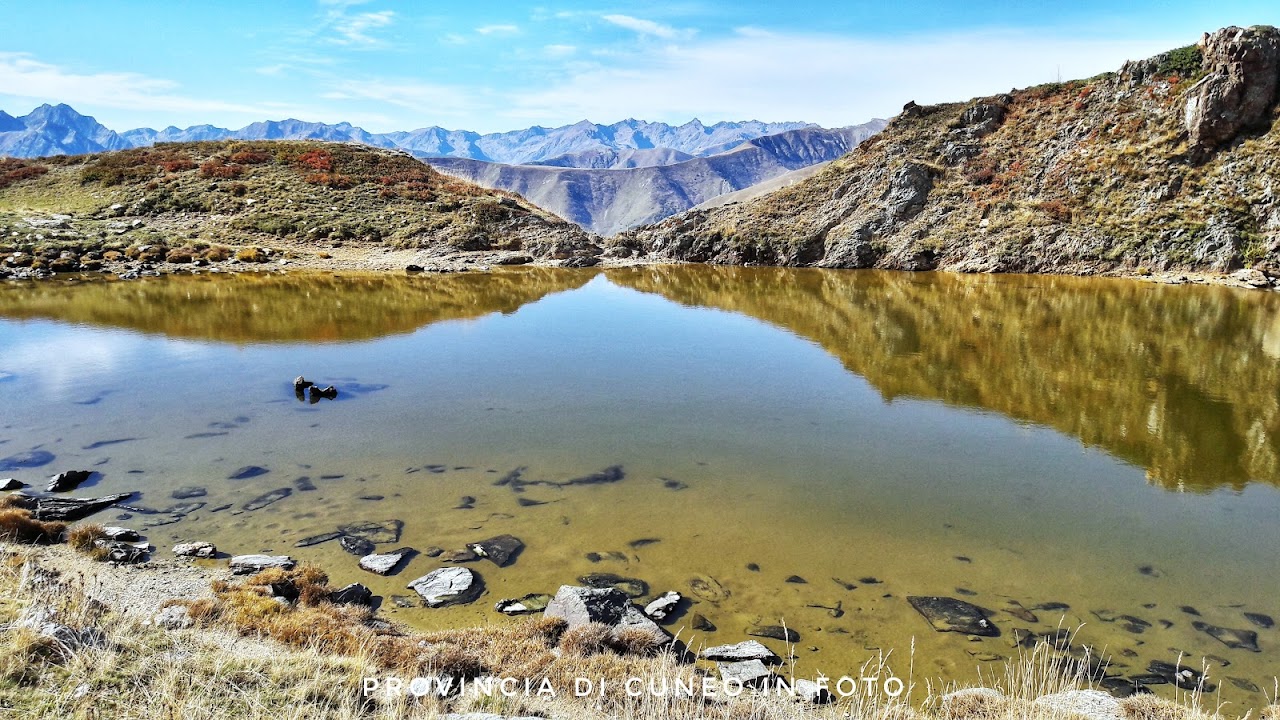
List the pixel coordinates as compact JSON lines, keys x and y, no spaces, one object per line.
{"x":251,"y":157}
{"x":215,"y":168}
{"x":320,"y":160}
{"x":14,"y":171}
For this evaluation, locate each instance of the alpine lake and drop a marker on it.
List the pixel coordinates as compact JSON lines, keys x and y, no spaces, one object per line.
{"x":806,"y":448}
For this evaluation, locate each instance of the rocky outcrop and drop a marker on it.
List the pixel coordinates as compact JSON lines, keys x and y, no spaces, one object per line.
{"x":1239,"y":89}
{"x":1127,"y":172}
{"x":245,"y":564}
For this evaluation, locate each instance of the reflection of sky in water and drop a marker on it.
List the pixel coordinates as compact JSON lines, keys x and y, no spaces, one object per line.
{"x":59,"y":361}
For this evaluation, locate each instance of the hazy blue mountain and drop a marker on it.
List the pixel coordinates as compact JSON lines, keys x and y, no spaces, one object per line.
{"x":50,"y":130}
{"x":55,"y":130}
{"x":608,"y":201}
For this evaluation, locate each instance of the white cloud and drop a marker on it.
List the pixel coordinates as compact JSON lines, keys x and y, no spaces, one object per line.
{"x":498,"y":29}
{"x":428,"y":101}
{"x":828,"y":79}
{"x":642,"y":26}
{"x":559,"y":51}
{"x":354,"y":30}
{"x":22,"y":76}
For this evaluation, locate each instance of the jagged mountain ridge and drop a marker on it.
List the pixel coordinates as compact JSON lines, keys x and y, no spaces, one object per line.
{"x":607,"y":201}
{"x":1169,"y":164}
{"x":61,"y":130}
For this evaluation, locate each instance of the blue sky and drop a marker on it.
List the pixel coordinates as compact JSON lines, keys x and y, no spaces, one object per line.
{"x":486,"y":66}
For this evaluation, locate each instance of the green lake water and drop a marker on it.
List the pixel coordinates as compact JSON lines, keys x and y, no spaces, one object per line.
{"x":1113,"y":446}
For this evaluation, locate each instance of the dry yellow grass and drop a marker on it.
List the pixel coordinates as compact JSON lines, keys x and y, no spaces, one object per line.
{"x":269,"y":667}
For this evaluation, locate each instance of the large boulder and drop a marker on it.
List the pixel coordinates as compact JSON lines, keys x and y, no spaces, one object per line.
{"x":1243,"y":66}
{"x":739,"y":652}
{"x":609,"y":606}
{"x":1091,"y":704}
{"x":448,"y":586}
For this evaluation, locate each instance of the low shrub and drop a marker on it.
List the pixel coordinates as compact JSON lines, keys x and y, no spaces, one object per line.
{"x":17,"y":525}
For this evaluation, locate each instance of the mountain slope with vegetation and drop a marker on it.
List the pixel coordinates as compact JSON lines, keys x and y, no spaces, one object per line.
{"x":608,"y":201}
{"x":1169,"y":164}
{"x":257,"y":201}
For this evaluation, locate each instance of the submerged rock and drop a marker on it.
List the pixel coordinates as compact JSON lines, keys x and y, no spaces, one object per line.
{"x":746,"y":650}
{"x":69,"y":480}
{"x":188,"y":493}
{"x":248,"y":471}
{"x":387,"y":531}
{"x":245,"y":564}
{"x":317,"y":539}
{"x":198,"y":549}
{"x":448,"y":586}
{"x":705,"y":587}
{"x":1184,"y":677}
{"x":26,"y":460}
{"x":531,"y":603}
{"x":631,"y":587}
{"x":357,"y":545}
{"x":950,"y":615}
{"x":700,"y":623}
{"x":268,"y":498}
{"x":1231,"y":637}
{"x":774,"y":632}
{"x":502,"y":550}
{"x":1263,"y":621}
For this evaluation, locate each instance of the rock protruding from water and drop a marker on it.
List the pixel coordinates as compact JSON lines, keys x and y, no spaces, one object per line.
{"x":610,"y":606}
{"x":738,"y":652}
{"x":197,"y":549}
{"x":662,"y":607}
{"x":1239,"y":89}
{"x":65,"y":509}
{"x":383,"y":563}
{"x":950,"y":615}
{"x":69,"y":480}
{"x":502,"y":549}
{"x":245,"y":564}
{"x":631,"y":587}
{"x":123,"y":534}
{"x":531,"y":603}
{"x":8,"y":484}
{"x":353,"y":594}
{"x":447,"y":586}
{"x":749,"y":673}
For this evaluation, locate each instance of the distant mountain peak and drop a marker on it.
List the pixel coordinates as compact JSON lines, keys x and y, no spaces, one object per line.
{"x":582,"y":141}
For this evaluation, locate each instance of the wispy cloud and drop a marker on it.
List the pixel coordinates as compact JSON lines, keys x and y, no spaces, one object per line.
{"x":829,"y":79}
{"x":23,"y":76}
{"x":355,"y":29}
{"x":425,"y":100}
{"x":498,"y":29}
{"x":642,"y":26}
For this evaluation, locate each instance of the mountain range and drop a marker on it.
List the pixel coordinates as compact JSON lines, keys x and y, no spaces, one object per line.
{"x":613,"y":199}
{"x":605,"y":178}
{"x":60,"y":130}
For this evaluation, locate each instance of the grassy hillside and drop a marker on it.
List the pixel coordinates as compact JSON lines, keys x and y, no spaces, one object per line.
{"x":256,"y":201}
{"x":1168,"y":164}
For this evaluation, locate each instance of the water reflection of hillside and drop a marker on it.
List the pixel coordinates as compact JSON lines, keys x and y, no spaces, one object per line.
{"x":313,"y":307}
{"x":1184,"y":381}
